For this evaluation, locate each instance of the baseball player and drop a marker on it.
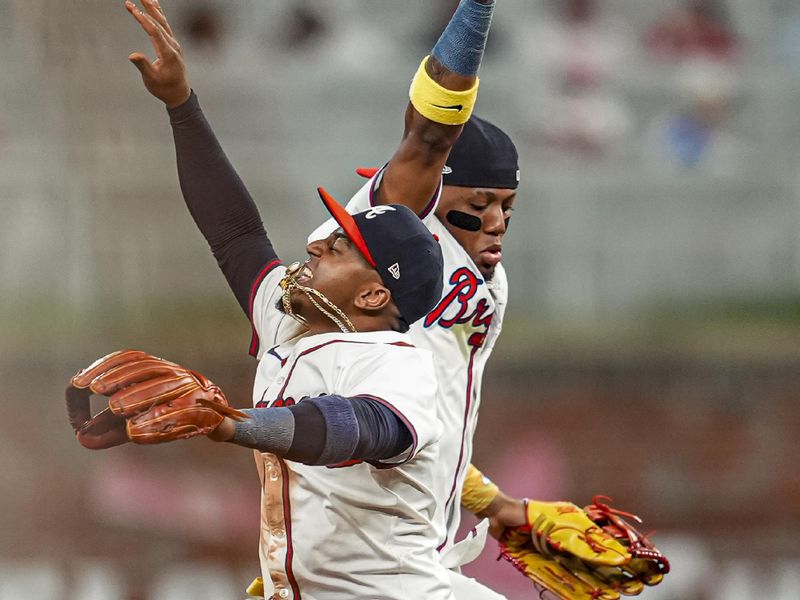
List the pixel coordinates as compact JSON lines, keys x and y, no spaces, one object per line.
{"x":346,"y":448}
{"x":470,"y":219}
{"x":325,"y":534}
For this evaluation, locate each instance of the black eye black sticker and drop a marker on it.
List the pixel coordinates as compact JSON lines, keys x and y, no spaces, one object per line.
{"x":462,"y":220}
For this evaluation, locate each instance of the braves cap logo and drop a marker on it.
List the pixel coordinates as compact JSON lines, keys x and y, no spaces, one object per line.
{"x":377,"y":210}
{"x":394,"y":270}
{"x":446,"y":170}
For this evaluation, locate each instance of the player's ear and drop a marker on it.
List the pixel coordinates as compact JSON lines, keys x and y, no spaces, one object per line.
{"x":372,"y":297}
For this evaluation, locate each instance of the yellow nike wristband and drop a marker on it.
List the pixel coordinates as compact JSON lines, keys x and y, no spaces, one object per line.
{"x":438,"y":103}
{"x":478,"y":491}
{"x":256,"y":589}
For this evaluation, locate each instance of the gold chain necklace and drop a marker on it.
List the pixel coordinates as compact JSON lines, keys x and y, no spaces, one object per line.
{"x":289,"y":282}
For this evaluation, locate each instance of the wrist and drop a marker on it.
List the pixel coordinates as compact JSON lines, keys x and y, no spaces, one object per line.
{"x":509,"y":511}
{"x":441,"y":95}
{"x":179,"y":98}
{"x":180,"y":113}
{"x":224,"y":431}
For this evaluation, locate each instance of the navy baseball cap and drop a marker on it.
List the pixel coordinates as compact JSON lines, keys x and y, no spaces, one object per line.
{"x":483,"y":157}
{"x":398,"y":245}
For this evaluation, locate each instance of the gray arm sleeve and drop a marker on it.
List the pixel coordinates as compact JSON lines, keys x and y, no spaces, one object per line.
{"x":325,"y":430}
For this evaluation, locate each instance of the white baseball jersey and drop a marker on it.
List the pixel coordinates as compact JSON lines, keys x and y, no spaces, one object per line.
{"x":356,"y":530}
{"x":461,"y":332}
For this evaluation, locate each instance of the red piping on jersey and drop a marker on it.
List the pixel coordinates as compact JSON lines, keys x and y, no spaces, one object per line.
{"x":463,"y":435}
{"x":287,"y":520}
{"x":402,"y":417}
{"x":256,"y":284}
{"x":429,"y":207}
{"x":328,"y":343}
{"x":345,"y":464}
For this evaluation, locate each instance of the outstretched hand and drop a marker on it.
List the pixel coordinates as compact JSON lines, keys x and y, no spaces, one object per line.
{"x":165,"y":77}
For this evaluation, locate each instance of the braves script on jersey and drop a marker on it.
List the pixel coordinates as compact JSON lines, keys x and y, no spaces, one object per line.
{"x":355,"y":530}
{"x":460,"y":331}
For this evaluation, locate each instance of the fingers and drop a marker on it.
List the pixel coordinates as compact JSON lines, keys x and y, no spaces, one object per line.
{"x":159,"y":39}
{"x":154,"y":9}
{"x":140,"y":17}
{"x":141,"y":62}
{"x":164,"y":45}
{"x":155,"y":13}
{"x":146,"y":24}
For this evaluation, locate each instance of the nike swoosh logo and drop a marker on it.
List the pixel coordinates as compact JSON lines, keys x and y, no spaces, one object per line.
{"x":455,"y":107}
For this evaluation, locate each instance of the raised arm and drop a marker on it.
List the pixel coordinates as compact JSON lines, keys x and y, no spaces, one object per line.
{"x":217,"y":199}
{"x":442,"y":95}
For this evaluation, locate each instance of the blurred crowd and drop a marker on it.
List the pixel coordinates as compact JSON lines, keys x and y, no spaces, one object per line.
{"x":664,"y":81}
{"x":577,"y":62}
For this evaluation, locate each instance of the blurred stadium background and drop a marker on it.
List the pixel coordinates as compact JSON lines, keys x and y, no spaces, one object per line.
{"x":652,"y":347}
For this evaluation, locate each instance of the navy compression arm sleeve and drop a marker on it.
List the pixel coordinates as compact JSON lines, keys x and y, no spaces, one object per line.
{"x":326,"y":430}
{"x":461,"y":45}
{"x":218,"y":201}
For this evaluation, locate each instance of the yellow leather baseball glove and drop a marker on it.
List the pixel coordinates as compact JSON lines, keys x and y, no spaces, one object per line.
{"x":583,"y":554}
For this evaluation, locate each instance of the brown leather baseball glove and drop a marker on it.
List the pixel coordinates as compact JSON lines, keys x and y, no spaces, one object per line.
{"x":150,"y":401}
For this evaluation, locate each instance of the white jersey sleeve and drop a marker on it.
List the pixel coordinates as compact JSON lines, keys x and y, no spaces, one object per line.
{"x":271,"y":326}
{"x":382,"y":374}
{"x":364,"y":199}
